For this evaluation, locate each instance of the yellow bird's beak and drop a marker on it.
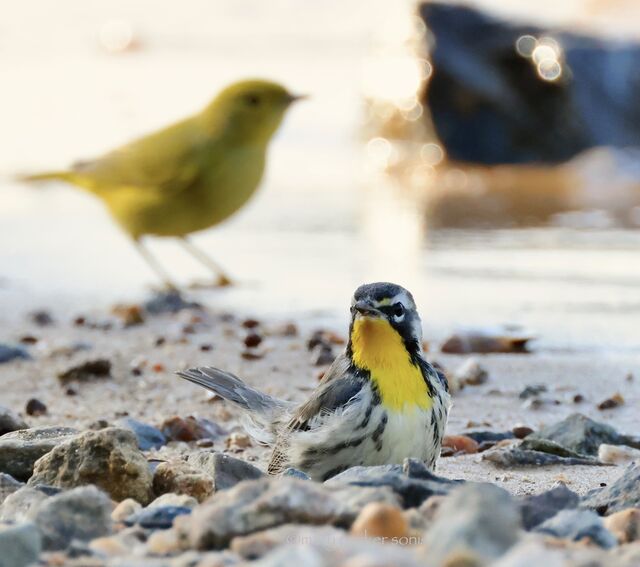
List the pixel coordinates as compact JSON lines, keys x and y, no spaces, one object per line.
{"x":366,"y":309}
{"x":295,"y":98}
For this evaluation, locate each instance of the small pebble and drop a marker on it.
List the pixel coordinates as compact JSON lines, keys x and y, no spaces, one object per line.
{"x":380,"y":520}
{"x":617,"y":454}
{"x":124,"y":509}
{"x":130,"y":315}
{"x":252,"y":340}
{"x":250,"y":323}
{"x":578,"y":399}
{"x":206,"y":347}
{"x":35,"y":407}
{"x":41,"y":318}
{"x":238,"y":441}
{"x":470,"y":373}
{"x":612,"y":402}
{"x":460,"y":444}
{"x":252,"y":354}
{"x":521,"y":431}
{"x":158,"y":367}
{"x":322,"y":355}
{"x":625,"y":525}
{"x":28,"y":340}
{"x":164,"y":542}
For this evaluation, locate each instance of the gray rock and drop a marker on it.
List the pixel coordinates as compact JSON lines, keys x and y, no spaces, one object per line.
{"x":582,"y":435}
{"x":82,"y":513}
{"x":180,"y":477}
{"x":168,"y":302}
{"x":295,"y":473}
{"x":10,"y":421}
{"x":576,"y":525}
{"x":476,"y":520}
{"x":538,"y":508}
{"x":19,"y":450}
{"x":108,"y":458}
{"x":482,"y":436}
{"x":18,"y":506}
{"x":13,"y":352}
{"x":157,"y":517}
{"x":171,"y":499}
{"x":225,"y":470}
{"x":8,"y":485}
{"x":412,"y":481}
{"x":516,"y":457}
{"x":621,"y":494}
{"x":148,"y":437}
{"x":268,"y":502}
{"x":19,"y":545}
{"x":342,"y":551}
{"x":256,"y":545}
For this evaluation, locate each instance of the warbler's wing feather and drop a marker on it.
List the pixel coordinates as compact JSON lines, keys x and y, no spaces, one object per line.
{"x":431,"y":374}
{"x":169,"y":160}
{"x":337,"y":389}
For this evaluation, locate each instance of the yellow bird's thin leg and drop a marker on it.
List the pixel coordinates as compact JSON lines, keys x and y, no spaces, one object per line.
{"x":222,"y":279}
{"x":154,"y":265}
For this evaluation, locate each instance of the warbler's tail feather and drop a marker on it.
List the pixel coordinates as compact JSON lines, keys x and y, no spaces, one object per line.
{"x":47,"y":176}
{"x":263,"y":411}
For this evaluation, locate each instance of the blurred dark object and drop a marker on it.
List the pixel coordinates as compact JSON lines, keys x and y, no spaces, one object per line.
{"x":492,"y":105}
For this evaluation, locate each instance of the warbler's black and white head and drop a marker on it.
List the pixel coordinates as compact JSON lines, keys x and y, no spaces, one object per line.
{"x":380,"y":312}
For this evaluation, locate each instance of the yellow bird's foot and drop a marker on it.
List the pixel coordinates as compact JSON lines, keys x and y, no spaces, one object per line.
{"x":219,"y":282}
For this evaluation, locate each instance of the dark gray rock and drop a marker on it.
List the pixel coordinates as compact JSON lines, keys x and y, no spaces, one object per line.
{"x":488,"y":103}
{"x":295,"y":473}
{"x":13,"y":352}
{"x":148,"y":437}
{"x":82,"y":513}
{"x":412,"y":482}
{"x":538,"y":508}
{"x":168,"y":302}
{"x":582,"y":435}
{"x":10,"y":421}
{"x":479,"y":521}
{"x":157,"y":517}
{"x":19,"y":545}
{"x":516,"y":457}
{"x":225,"y":470}
{"x":576,"y":525}
{"x":19,"y":450}
{"x":482,"y":436}
{"x":268,"y":502}
{"x":8,"y":485}
{"x":18,"y":506}
{"x":621,"y":494}
{"x":89,"y":370}
{"x":108,"y":458}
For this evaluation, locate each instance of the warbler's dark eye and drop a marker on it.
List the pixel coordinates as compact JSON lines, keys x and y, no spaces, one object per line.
{"x":253,"y":100}
{"x":398,"y":310}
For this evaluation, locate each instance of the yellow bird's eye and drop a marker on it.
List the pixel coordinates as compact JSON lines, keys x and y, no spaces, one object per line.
{"x":398,"y":310}
{"x":252,"y":100}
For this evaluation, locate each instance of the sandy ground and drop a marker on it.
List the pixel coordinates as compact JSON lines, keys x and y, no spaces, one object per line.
{"x":286,"y":370}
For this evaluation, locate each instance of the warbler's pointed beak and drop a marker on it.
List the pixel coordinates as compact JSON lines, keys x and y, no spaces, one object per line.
{"x":295,"y":98}
{"x":365,"y":309}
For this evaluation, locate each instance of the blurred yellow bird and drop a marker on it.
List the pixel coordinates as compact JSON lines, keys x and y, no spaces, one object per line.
{"x":188,"y":176}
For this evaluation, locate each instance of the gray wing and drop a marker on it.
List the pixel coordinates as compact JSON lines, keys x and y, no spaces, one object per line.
{"x":336,"y":390}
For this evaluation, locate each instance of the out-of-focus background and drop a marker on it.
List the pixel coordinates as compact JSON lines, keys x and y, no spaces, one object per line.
{"x":469,"y":168}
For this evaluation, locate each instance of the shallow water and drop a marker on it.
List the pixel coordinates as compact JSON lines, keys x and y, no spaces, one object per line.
{"x":316,"y":230}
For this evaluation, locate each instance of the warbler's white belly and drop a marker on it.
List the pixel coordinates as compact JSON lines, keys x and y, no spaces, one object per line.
{"x":348,"y":438}
{"x":406,"y":434}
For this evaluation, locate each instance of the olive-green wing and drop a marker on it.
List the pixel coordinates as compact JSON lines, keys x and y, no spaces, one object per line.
{"x":338,"y":388}
{"x":170,"y":161}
